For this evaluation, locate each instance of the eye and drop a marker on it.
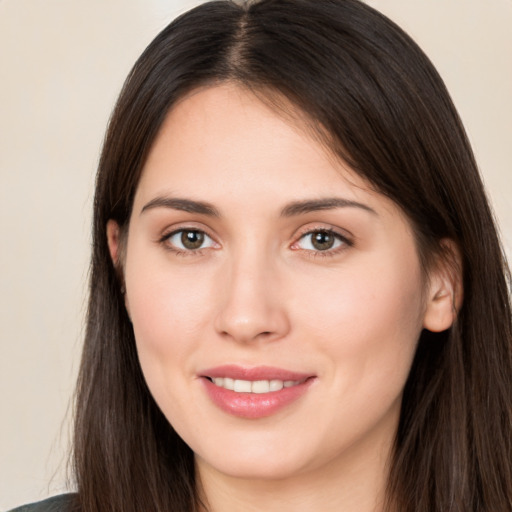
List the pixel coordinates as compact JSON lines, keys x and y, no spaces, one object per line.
{"x":321,"y":240}
{"x":189,"y":240}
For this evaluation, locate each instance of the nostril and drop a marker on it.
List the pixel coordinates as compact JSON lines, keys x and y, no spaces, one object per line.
{"x":251,"y":322}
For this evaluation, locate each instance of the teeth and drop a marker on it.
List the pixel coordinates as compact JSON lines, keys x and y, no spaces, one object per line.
{"x":260,"y":386}
{"x":276,"y":385}
{"x":256,"y":386}
{"x":242,"y":386}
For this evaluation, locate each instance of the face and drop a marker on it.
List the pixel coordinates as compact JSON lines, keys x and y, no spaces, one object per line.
{"x":276,"y":300}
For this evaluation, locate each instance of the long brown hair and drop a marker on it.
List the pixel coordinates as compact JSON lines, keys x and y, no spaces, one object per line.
{"x":385,"y":111}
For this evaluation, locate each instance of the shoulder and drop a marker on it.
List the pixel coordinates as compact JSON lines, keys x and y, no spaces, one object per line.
{"x":61,"y":503}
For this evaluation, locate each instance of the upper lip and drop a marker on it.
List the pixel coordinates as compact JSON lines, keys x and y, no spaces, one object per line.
{"x":254,"y":373}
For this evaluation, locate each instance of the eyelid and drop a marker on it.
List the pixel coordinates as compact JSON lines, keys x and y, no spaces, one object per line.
{"x":173,"y":230}
{"x":185,"y":226}
{"x":341,"y":234}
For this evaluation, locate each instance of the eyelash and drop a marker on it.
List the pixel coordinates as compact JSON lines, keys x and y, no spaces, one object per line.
{"x":165,"y":241}
{"x":345,"y":242}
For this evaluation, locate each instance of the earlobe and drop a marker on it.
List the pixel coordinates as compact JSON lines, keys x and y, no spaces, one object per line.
{"x":113,"y":240}
{"x":115,"y":248}
{"x":440,"y":313}
{"x":445,"y":292}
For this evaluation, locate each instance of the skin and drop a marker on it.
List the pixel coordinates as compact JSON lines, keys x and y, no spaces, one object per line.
{"x":258,"y":292}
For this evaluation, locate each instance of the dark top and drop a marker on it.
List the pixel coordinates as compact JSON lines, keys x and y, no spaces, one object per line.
{"x":60,"y":503}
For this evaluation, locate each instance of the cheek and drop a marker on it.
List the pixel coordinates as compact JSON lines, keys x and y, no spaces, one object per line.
{"x":368,"y":317}
{"x":168,"y":309}
{"x":168,"y":312}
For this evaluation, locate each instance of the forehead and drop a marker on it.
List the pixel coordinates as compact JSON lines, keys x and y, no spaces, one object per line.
{"x":228,"y":137}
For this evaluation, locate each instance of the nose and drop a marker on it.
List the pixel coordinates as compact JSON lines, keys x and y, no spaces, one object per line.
{"x":251,"y":305}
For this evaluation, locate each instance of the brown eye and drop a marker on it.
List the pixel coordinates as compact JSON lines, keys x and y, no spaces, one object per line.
{"x":322,"y":240}
{"x":192,"y":239}
{"x":188,"y":240}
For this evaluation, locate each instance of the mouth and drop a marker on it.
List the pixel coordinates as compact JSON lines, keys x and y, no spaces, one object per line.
{"x":253,"y":393}
{"x":253,"y":386}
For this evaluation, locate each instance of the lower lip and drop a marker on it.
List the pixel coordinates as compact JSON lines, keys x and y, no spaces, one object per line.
{"x":254,"y":405}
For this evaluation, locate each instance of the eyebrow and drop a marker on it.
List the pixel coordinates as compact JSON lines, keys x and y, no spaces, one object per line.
{"x":184,"y":205}
{"x":329,"y":203}
{"x":290,"y":210}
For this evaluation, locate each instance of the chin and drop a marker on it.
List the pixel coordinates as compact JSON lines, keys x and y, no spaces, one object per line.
{"x":263,"y":468}
{"x":264,"y":458}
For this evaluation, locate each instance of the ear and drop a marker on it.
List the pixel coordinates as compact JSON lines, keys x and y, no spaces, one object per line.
{"x":445,"y":292}
{"x":115,"y":247}
{"x":113,"y":240}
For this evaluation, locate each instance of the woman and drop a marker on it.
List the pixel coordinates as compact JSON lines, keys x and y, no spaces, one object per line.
{"x":298,"y":298}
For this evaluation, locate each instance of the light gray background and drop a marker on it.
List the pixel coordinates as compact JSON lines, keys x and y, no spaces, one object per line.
{"x":62,"y":63}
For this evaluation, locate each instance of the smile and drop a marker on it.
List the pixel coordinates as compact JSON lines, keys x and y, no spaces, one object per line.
{"x":253,"y":393}
{"x":256,"y":386}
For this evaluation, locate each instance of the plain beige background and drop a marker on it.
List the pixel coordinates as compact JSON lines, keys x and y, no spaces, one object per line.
{"x":62,"y":63}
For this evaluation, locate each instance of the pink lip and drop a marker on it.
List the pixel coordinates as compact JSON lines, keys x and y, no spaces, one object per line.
{"x":257,"y":373}
{"x":253,"y":405}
